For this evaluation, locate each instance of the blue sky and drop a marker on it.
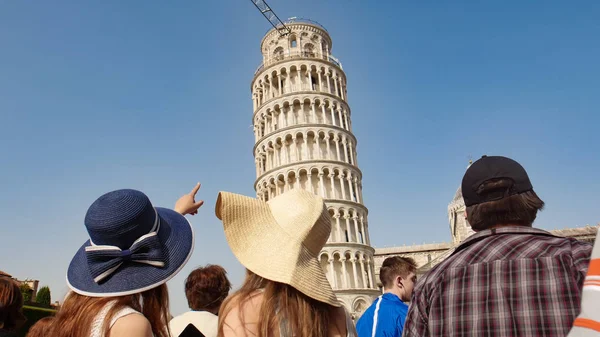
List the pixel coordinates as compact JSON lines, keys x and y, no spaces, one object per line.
{"x":154,"y":95}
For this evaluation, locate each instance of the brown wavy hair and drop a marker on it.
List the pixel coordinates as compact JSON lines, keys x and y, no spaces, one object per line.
{"x":207,"y":287}
{"x":518,"y":209}
{"x":305,"y":316}
{"x":11,"y":305}
{"x":395,"y":266}
{"x":77,"y":313}
{"x":41,"y":327}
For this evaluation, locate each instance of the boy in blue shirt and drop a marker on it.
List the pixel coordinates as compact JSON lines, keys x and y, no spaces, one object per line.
{"x":386,"y":316}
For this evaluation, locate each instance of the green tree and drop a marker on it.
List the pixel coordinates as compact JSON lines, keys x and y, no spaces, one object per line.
{"x":26,"y":291}
{"x":43,"y":296}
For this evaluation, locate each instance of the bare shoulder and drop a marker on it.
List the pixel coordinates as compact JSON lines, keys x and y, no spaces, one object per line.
{"x":241,"y":318}
{"x":133,"y":325}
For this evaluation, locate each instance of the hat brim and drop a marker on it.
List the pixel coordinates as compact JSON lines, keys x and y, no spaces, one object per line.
{"x":264,"y":248}
{"x":177,"y":237}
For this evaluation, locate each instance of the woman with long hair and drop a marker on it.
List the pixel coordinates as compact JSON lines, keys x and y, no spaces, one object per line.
{"x":11,"y":307}
{"x":118,"y":277}
{"x":286,"y":292}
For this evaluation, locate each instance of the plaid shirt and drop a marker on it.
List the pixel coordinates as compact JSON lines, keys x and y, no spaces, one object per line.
{"x":511,"y":281}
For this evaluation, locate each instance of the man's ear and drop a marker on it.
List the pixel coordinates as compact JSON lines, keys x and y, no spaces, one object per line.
{"x":465,"y":213}
{"x":398,"y":281}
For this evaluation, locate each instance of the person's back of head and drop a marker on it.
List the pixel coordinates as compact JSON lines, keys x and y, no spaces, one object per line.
{"x":206,"y":288}
{"x":397,"y":274}
{"x":11,"y":305}
{"x":41,"y":328}
{"x":497,"y":191}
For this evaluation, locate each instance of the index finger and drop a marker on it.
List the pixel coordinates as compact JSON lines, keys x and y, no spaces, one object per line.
{"x":195,"y":190}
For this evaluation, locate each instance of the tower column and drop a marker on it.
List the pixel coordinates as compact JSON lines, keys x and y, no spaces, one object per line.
{"x":363,"y":271}
{"x":277,"y":155}
{"x":322,"y":106}
{"x":314,"y":113}
{"x":362,"y":228}
{"x":317,"y":147}
{"x":355,"y":220}
{"x":351,"y":151}
{"x":284,"y":121}
{"x":370,"y":273}
{"x":320,"y":80}
{"x":309,"y":181}
{"x":333,"y":191}
{"x":335,"y":82}
{"x":358,"y":198}
{"x":294,"y":116}
{"x":304,"y":147}
{"x":327,"y":138}
{"x":353,"y":260}
{"x":367,"y":233}
{"x":332,"y":114}
{"x":279,"y":82}
{"x":337,"y":148}
{"x":347,"y":218}
{"x":338,"y":227}
{"x":341,"y":178}
{"x":334,"y":278}
{"x":344,"y":272}
{"x":322,"y":185}
{"x":349,"y":179}
{"x":339,"y":111}
{"x":295,"y":148}
{"x":346,"y":120}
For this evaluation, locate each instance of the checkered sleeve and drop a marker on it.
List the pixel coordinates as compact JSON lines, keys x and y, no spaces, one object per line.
{"x":416,"y":323}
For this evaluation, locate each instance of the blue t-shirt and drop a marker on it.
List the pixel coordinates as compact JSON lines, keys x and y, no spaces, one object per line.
{"x":390,"y":318}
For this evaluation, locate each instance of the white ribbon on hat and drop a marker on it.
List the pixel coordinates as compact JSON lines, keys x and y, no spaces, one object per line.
{"x":136,"y":244}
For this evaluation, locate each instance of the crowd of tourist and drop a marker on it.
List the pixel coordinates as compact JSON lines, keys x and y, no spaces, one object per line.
{"x":507,"y":279}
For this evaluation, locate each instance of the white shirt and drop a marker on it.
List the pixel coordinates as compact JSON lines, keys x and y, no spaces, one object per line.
{"x":204,"y":321}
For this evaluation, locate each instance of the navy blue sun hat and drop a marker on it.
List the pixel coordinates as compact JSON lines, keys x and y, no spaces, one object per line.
{"x":133,"y":246}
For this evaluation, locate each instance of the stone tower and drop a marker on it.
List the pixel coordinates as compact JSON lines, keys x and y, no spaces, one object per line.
{"x":303,"y":139}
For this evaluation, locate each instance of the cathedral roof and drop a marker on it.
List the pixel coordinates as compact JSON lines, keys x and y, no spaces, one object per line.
{"x":458,"y":195}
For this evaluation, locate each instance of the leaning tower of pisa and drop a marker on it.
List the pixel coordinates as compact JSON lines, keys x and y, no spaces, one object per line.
{"x":303,"y":139}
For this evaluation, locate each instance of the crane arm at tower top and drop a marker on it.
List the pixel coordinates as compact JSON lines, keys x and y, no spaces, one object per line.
{"x":268,"y":13}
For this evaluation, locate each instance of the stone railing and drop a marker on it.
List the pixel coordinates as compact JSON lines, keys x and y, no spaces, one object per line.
{"x":298,"y":55}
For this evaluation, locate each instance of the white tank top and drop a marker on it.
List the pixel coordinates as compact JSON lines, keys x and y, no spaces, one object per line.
{"x":98,"y":323}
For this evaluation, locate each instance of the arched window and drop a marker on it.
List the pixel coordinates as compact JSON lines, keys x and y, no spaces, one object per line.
{"x":309,"y":50}
{"x":278,"y":53}
{"x":293,"y":42}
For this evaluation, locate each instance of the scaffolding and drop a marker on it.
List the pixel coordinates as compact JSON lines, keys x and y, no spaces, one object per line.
{"x":268,"y":13}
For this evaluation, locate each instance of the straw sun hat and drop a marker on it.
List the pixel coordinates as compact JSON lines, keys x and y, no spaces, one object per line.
{"x":280,"y":239}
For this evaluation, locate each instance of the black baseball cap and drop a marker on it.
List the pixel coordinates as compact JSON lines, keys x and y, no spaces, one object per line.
{"x":491,"y":168}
